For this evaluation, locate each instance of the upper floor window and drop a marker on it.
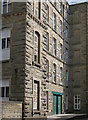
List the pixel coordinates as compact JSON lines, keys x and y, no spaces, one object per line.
{"x":54,"y":73}
{"x":37,"y":47}
{"x":47,"y":15}
{"x":47,"y":41}
{"x":61,"y":75}
{"x":60,"y":27}
{"x":61,"y":51}
{"x":77,"y":102}
{"x":54,"y":2}
{"x":54,"y":21}
{"x":54,"y":46}
{"x":5,"y":6}
{"x":60,"y":7}
{"x":66,"y":55}
{"x":37,"y":9}
{"x":5,"y":44}
{"x":66,"y":33}
{"x":66,"y":77}
{"x":47,"y":69}
{"x":66,"y":14}
{"x":63,"y":10}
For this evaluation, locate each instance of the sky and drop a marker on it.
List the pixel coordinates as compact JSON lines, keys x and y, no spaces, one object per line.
{"x":76,"y":1}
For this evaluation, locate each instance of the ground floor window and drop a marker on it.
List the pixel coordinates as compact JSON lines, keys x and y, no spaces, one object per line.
{"x":77,"y":102}
{"x":36,"y":96}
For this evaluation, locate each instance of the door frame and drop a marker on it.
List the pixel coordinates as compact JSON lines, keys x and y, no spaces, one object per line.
{"x":58,"y":94}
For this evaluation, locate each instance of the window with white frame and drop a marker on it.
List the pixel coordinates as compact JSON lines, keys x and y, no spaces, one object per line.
{"x":4,"y":90}
{"x":5,"y":6}
{"x":61,"y":75}
{"x":54,"y":73}
{"x":60,"y":7}
{"x":47,"y":41}
{"x":61,"y":51}
{"x":46,"y":100}
{"x":47,"y":15}
{"x":60,"y":28}
{"x":5,"y":44}
{"x":47,"y":69}
{"x":77,"y":102}
{"x":66,"y":33}
{"x":54,"y":21}
{"x":66,"y":77}
{"x":54,"y":46}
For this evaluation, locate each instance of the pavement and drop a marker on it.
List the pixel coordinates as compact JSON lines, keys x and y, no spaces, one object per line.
{"x":66,"y":117}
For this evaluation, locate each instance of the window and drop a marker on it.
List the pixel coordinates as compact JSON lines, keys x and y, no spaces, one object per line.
{"x":5,"y":6}
{"x":54,"y":46}
{"x":54,"y":2}
{"x":4,"y":92}
{"x":36,"y":96}
{"x":66,"y":102}
{"x":54,"y":73}
{"x":5,"y":43}
{"x":47,"y":15}
{"x":66,"y":13}
{"x":66,"y":34}
{"x":60,"y":27}
{"x":66,"y":78}
{"x":47,"y":69}
{"x":61,"y":75}
{"x":54,"y":21}
{"x":77,"y":102}
{"x":61,"y":51}
{"x":63,"y":10}
{"x":66,"y":56}
{"x":60,"y":7}
{"x":47,"y":41}
{"x":37,"y":47}
{"x":46,"y":100}
{"x":37,"y":9}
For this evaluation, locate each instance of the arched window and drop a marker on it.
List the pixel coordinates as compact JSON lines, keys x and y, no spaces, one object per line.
{"x":37,"y":47}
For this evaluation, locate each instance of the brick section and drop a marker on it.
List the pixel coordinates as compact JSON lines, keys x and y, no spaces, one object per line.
{"x":11,"y":110}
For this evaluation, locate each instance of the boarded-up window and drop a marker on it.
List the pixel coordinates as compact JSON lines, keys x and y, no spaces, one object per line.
{"x":76,"y":57}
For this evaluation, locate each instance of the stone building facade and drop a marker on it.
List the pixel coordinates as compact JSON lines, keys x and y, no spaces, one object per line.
{"x":42,"y":64}
{"x":78,"y":85}
{"x":35,"y":70}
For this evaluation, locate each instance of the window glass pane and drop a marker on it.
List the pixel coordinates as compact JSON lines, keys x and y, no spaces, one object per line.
{"x":47,"y":17}
{"x":47,"y":100}
{"x":54,"y":73}
{"x":2,"y":92}
{"x":3,"y":43}
{"x":8,"y":42}
{"x":47,"y":41}
{"x":54,"y":21}
{"x":54,"y":46}
{"x":47,"y":69}
{"x":7,"y":91}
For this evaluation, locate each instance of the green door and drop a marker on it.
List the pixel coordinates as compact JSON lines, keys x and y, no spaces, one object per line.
{"x":54,"y":104}
{"x":59,"y":104}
